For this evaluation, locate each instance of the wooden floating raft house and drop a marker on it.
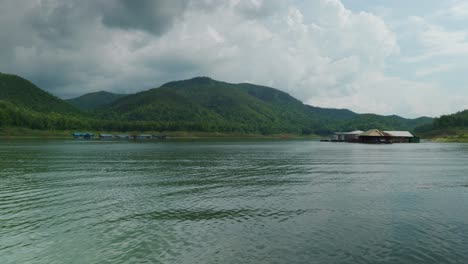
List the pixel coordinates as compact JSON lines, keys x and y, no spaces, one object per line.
{"x":402,"y":137}
{"x":374,"y":136}
{"x":141,"y":137}
{"x":346,"y":136}
{"x":106,"y":136}
{"x":83,"y":135}
{"x":159,"y":136}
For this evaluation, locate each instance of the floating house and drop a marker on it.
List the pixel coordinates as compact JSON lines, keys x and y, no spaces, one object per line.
{"x":144,"y":137}
{"x":402,"y":137}
{"x":346,"y":136}
{"x":83,"y":135}
{"x":123,"y":136}
{"x":106,"y":136}
{"x":159,"y":136}
{"x":374,"y":136}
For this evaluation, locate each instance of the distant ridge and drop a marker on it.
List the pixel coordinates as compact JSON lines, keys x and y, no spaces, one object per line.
{"x":94,"y":100}
{"x":22,"y":92}
{"x":209,"y":104}
{"x":454,"y":126}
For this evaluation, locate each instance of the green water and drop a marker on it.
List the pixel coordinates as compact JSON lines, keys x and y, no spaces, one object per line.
{"x":232,"y":202}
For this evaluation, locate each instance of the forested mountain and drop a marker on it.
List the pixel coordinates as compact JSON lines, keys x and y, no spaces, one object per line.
{"x":198,"y":104}
{"x":214,"y":105}
{"x":456,"y":123}
{"x":23,"y":93}
{"x":392,"y":122}
{"x":92,"y":101}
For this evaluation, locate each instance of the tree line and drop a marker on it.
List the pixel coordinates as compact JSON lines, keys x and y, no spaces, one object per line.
{"x":17,"y":116}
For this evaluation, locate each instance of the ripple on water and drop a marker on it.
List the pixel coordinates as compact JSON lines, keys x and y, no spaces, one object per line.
{"x":232,"y":202}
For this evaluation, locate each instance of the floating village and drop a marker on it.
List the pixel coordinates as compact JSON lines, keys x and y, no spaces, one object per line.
{"x":87,"y":135}
{"x":373,"y":136}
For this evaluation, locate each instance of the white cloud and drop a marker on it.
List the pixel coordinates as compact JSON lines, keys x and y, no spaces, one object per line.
{"x":456,"y":10}
{"x":376,"y":92}
{"x":434,"y":40}
{"x":428,"y":71}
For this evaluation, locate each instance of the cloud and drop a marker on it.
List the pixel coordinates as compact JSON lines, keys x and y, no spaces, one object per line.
{"x":435,"y":40}
{"x":423,"y":72}
{"x":254,"y":9}
{"x":410,"y":97}
{"x":456,"y":10}
{"x":154,"y":16}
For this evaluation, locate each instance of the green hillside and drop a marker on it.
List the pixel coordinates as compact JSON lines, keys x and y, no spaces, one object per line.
{"x":199,"y":104}
{"x":392,"y":122}
{"x":17,"y":116}
{"x":23,"y":93}
{"x":94,"y":100}
{"x":218,"y":106}
{"x":452,"y":127}
{"x":215,"y":105}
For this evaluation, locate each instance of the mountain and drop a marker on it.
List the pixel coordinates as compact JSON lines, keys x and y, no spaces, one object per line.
{"x":213,"y":105}
{"x":446,"y":126}
{"x":205,"y":104}
{"x":23,"y":93}
{"x":391,"y":122}
{"x":92,"y":101}
{"x":198,"y":104}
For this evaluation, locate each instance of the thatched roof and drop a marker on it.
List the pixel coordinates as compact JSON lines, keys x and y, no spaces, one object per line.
{"x":374,"y":133}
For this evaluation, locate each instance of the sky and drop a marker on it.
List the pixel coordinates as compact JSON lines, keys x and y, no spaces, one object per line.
{"x":386,"y":57}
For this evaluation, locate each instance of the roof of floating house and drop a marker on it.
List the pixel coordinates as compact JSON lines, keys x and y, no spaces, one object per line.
{"x":357,"y":132}
{"x":82,"y":134}
{"x":399,"y":133}
{"x":374,"y":133}
{"x":377,"y":133}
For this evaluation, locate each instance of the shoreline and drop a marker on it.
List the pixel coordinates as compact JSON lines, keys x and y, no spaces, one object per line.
{"x":449,"y":140}
{"x":24,"y":133}
{"x":13,"y":133}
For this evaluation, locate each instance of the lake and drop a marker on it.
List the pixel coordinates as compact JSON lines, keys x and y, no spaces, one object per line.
{"x":251,"y":201}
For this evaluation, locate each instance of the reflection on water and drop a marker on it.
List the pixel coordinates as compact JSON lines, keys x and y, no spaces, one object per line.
{"x":232,"y":202}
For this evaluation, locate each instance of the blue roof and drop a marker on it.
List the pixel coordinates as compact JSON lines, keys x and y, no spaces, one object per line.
{"x":81,"y":134}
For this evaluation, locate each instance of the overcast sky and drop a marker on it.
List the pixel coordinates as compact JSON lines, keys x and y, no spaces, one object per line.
{"x":387,"y":57}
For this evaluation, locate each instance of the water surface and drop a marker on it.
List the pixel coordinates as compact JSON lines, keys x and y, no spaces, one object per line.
{"x":232,"y":202}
